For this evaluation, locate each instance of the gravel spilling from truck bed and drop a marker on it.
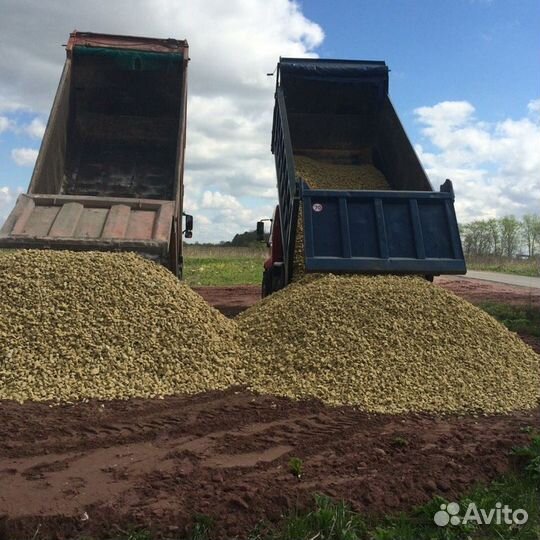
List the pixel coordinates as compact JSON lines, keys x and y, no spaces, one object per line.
{"x":106,"y":325}
{"x":320,"y":174}
{"x":387,"y":344}
{"x":102,"y":325}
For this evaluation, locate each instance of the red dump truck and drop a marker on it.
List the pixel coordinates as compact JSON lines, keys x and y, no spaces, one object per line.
{"x":109,"y":174}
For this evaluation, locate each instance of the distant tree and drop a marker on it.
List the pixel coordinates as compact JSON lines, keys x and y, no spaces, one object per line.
{"x":501,"y":237}
{"x":245,"y":239}
{"x":494,"y":232}
{"x":530,"y":227}
{"x":510,"y":229}
{"x":479,"y":238}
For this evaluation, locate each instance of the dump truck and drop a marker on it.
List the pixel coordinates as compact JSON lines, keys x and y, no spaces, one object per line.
{"x":109,"y":173}
{"x":339,"y":111}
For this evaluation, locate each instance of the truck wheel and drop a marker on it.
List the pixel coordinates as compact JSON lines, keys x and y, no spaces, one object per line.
{"x":266,"y":288}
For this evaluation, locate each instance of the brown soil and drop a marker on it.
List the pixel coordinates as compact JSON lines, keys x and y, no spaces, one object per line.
{"x":477,"y":291}
{"x":231,"y":300}
{"x":96,"y":467}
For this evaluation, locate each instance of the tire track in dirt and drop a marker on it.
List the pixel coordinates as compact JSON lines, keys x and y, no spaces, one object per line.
{"x":226,"y":454}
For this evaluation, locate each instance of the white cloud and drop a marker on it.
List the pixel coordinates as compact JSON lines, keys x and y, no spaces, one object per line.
{"x":446,"y":113}
{"x":4,"y":124}
{"x":36,"y":128}
{"x":534,"y":106}
{"x":24,"y":157}
{"x":7,"y":200}
{"x":223,"y":223}
{"x":495,"y":167}
{"x":214,"y":199}
{"x":233,"y":45}
{"x":10,"y":105}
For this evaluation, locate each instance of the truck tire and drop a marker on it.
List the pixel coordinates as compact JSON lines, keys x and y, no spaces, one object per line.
{"x":266,"y":288}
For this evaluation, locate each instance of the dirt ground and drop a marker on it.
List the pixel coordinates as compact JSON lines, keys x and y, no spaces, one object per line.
{"x":477,"y":291}
{"x":95,"y":467}
{"x":107,"y":466}
{"x":231,"y":300}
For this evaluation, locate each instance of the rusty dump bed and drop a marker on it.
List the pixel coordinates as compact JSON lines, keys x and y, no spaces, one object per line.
{"x":82,"y":223}
{"x":109,"y":174}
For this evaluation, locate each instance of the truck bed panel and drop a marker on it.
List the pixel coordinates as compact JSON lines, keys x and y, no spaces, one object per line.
{"x":75,"y":222}
{"x":381,"y":232}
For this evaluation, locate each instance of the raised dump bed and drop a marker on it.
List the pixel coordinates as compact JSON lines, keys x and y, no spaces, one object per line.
{"x":109,"y":174}
{"x":336,"y":115}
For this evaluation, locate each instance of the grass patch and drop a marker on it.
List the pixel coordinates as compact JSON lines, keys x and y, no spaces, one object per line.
{"x":224,"y":252}
{"x":334,"y":520}
{"x":516,"y":491}
{"x":523,"y":319}
{"x":132,"y":534}
{"x":223,"y":272}
{"x":529,"y":268}
{"x":329,"y":520}
{"x":223,"y":266}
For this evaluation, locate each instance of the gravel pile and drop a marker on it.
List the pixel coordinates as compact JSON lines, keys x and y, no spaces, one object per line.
{"x":387,"y":344}
{"x":104,"y":325}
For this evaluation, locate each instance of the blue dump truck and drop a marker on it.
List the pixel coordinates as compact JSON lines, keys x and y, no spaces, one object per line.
{"x":336,"y":117}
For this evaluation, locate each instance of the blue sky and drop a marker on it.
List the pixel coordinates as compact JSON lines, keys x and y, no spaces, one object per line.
{"x":485,"y":52}
{"x":465,"y":80}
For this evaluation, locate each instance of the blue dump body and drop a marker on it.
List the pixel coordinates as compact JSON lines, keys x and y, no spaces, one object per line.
{"x":381,"y":232}
{"x":340,"y":106}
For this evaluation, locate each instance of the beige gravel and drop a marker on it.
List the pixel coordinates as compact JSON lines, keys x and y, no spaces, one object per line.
{"x":387,"y":344}
{"x":106,"y":325}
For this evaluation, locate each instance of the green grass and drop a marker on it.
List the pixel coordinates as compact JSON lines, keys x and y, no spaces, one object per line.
{"x":222,"y":272}
{"x":222,"y":266}
{"x":131,"y":535}
{"x":334,"y":520}
{"x":224,"y":252}
{"x":522,"y":268}
{"x":329,"y":520}
{"x":521,"y":318}
{"x":517,"y":491}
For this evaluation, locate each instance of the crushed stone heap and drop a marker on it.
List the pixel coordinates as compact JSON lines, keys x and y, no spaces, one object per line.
{"x":387,"y":344}
{"x":106,"y":325}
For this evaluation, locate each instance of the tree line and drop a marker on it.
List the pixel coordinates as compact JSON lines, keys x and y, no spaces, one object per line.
{"x":504,"y":237}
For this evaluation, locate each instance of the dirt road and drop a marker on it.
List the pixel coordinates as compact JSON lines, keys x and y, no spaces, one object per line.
{"x":508,"y":279}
